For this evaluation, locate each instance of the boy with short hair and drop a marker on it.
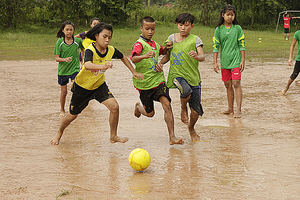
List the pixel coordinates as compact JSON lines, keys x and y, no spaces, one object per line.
{"x":152,"y":88}
{"x":185,"y":54}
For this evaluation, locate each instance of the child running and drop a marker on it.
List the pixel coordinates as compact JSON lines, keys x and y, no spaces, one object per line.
{"x":90,"y":82}
{"x":152,"y":88}
{"x":296,"y":71}
{"x":230,"y":38}
{"x":66,"y":52}
{"x":185,"y":54}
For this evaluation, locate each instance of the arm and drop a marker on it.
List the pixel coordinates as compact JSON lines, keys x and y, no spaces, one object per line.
{"x":93,"y":67}
{"x":168,"y":46}
{"x":59,"y":59}
{"x":216,"y":66}
{"x":149,"y":54}
{"x":295,"y":17}
{"x":216,"y":46}
{"x":242,"y":65}
{"x":292,"y":51}
{"x":199,"y":55}
{"x":135,"y":74}
{"x":164,"y":60}
{"x":77,"y":36}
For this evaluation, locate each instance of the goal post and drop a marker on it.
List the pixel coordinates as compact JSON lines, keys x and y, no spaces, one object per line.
{"x":287,"y":11}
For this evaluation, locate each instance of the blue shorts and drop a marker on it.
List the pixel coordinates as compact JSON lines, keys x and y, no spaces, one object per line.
{"x":64,"y":80}
{"x":185,"y":90}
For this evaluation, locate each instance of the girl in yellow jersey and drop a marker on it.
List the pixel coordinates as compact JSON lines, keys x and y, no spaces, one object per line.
{"x":90,"y":82}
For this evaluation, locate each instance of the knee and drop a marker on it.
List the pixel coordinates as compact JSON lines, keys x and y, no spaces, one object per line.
{"x":228,"y":84}
{"x":114,"y":107}
{"x":151,"y":114}
{"x":236,"y":85}
{"x":294,"y":75}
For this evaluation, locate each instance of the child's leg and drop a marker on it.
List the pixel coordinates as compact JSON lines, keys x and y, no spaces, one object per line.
{"x":290,"y":81}
{"x":64,"y":124}
{"x":140,"y":109}
{"x":230,"y":97}
{"x":194,"y":116}
{"x":238,"y":97}
{"x":292,"y":77}
{"x":184,"y":112}
{"x":113,"y":107}
{"x":169,"y":119}
{"x":63,"y":94}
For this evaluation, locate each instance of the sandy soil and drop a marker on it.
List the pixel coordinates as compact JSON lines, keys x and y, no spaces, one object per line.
{"x":255,"y":157}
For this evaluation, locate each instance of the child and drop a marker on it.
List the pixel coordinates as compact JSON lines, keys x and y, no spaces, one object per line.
{"x":297,"y":64}
{"x":90,"y":82}
{"x":152,"y":88}
{"x":230,"y":38}
{"x":185,"y":54}
{"x":87,"y":41}
{"x":286,"y":25}
{"x":66,"y":51}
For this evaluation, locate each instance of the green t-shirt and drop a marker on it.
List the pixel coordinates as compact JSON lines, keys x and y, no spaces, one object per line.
{"x":182,"y":64}
{"x":152,"y":78}
{"x":297,"y":37}
{"x":232,"y":42}
{"x":64,"y":50}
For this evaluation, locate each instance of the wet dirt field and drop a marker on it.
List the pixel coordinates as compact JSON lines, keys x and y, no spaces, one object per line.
{"x":256,"y":157}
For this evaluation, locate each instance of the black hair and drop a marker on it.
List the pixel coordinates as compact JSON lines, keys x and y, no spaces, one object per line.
{"x":185,"y":17}
{"x":98,"y":29}
{"x":93,"y":19}
{"x":224,"y":10}
{"x":60,"y":33}
{"x":147,"y":19}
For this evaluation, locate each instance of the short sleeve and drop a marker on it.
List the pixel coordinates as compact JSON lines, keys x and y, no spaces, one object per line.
{"x":241,"y":39}
{"x":57,"y":47}
{"x":216,"y":40}
{"x":117,"y":54}
{"x":136,"y":50}
{"x":199,"y":42}
{"x":88,"y":55}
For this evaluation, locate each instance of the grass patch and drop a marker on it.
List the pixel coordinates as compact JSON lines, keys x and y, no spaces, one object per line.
{"x":40,"y":46}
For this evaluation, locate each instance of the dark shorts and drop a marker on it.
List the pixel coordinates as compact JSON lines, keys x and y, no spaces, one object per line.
{"x":286,"y":30}
{"x":185,"y":90}
{"x":148,"y":97}
{"x":64,"y":80}
{"x":81,"y":97}
{"x":296,"y":70}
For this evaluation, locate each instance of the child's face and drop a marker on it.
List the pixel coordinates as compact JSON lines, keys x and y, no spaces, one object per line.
{"x":228,"y":16}
{"x":68,"y":31}
{"x":185,"y":29}
{"x":103,"y":38}
{"x":94,"y":23}
{"x":148,"y":30}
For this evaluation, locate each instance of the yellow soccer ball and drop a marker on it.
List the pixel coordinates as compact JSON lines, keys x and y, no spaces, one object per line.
{"x":139,"y":159}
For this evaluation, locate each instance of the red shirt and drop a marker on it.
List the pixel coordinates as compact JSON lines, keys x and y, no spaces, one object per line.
{"x":138,"y":47}
{"x":287,"y":21}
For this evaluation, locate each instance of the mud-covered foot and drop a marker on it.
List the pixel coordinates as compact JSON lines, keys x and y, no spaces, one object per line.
{"x":283,"y":92}
{"x":184,"y":115}
{"x":118,"y":139}
{"x":176,"y":140}
{"x":237,"y":115}
{"x":227,"y":112}
{"x":194,"y":136}
{"x":137,"y":113}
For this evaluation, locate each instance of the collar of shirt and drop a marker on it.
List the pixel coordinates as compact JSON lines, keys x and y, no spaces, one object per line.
{"x":150,"y":41}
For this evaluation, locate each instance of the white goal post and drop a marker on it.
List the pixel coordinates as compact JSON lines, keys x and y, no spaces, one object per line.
{"x":287,"y":11}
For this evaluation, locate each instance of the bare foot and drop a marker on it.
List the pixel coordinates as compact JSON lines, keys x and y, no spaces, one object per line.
{"x":184,"y":116}
{"x":55,"y":140}
{"x":194,"y":136}
{"x":176,"y":140}
{"x":237,"y":115}
{"x":137,"y":113}
{"x":118,"y":139}
{"x":228,"y":112}
{"x":283,"y":92}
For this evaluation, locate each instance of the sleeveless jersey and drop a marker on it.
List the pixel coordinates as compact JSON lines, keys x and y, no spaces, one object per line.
{"x":182,"y":64}
{"x":91,"y":80}
{"x":146,"y":67}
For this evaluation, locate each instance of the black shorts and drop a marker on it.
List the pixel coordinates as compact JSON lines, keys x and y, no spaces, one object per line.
{"x":296,"y":70}
{"x":148,"y":96}
{"x":286,"y":30}
{"x":64,"y":79}
{"x":81,"y":97}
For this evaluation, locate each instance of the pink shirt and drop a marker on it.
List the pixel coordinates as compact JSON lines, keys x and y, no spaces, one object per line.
{"x":287,"y":21}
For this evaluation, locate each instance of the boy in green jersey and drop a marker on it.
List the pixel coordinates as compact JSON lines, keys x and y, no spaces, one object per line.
{"x":229,"y":37}
{"x":186,"y":50}
{"x":290,"y":62}
{"x":152,"y":88}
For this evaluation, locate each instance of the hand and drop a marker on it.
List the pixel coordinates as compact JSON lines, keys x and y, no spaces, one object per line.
{"x":138,"y":75}
{"x":150,"y":54}
{"x":290,"y":62}
{"x":68,"y":59}
{"x":169,"y":45}
{"x":193,"y":54}
{"x":216,"y":68}
{"x":108,"y":65}
{"x":159,"y":67}
{"x":242,"y":66}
